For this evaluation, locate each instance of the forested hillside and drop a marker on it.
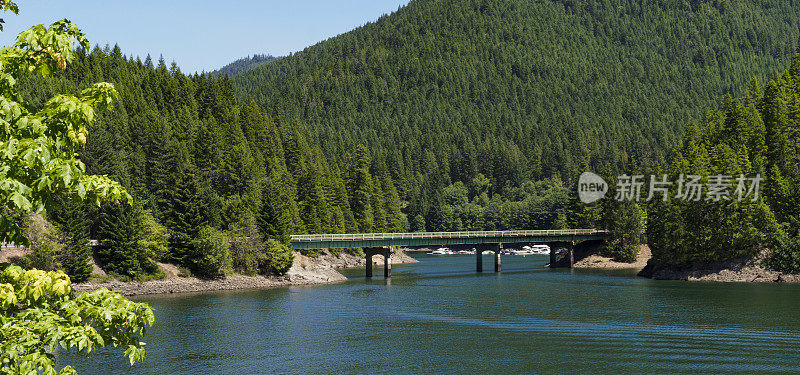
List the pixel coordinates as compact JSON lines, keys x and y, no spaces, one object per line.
{"x":757,"y":135}
{"x":242,"y":65}
{"x":199,"y":163}
{"x":494,"y":93}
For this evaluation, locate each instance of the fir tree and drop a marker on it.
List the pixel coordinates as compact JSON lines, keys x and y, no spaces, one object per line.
{"x":360,"y":186}
{"x":74,"y":257}
{"x":121,"y":235}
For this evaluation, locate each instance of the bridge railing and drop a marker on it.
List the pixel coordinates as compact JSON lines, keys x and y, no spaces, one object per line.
{"x":425,"y":235}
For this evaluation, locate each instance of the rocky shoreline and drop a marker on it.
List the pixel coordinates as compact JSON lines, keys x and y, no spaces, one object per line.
{"x":323,"y":269}
{"x":746,"y":269}
{"x":305,"y":271}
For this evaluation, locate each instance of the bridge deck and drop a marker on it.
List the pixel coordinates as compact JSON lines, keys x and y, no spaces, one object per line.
{"x":324,"y":241}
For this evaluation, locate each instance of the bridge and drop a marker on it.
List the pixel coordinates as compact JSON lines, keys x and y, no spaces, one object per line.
{"x":385,"y":243}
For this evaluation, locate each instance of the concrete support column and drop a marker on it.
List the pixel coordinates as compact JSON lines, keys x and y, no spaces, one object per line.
{"x":386,"y":252}
{"x":478,"y":259}
{"x":387,"y":264}
{"x":553,"y":257}
{"x":497,"y":257}
{"x":369,"y":263}
{"x":571,"y":249}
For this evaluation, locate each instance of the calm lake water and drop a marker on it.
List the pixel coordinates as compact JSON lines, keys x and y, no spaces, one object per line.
{"x":439,"y":316}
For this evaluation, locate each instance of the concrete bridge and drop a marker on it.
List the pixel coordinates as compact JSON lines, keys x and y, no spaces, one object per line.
{"x":385,"y":243}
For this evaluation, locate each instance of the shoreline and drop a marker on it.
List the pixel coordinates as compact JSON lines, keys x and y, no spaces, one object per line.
{"x":598,"y":262}
{"x":322,"y":269}
{"x":739,"y":270}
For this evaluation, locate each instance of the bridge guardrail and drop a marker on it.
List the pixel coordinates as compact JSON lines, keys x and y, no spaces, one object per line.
{"x":425,"y":235}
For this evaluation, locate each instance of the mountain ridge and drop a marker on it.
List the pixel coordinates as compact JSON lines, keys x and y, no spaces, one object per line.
{"x":243,"y":64}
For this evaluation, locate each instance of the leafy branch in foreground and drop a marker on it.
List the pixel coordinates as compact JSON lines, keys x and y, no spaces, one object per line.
{"x":41,"y":312}
{"x":39,"y":148}
{"x":7,"y":5}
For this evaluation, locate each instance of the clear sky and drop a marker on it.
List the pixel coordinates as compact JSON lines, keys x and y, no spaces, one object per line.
{"x":202,"y":35}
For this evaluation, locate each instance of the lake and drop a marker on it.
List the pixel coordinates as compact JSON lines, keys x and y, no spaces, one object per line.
{"x":440,"y":316}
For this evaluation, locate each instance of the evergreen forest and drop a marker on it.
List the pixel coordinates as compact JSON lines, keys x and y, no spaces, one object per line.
{"x":242,"y":65}
{"x":466,"y":97}
{"x":442,"y":116}
{"x":755,"y":135}
{"x":201,"y":165}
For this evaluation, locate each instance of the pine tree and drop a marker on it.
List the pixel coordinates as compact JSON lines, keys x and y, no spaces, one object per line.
{"x":394,"y":215}
{"x":344,"y":220}
{"x":378,"y":205}
{"x":313,"y":206}
{"x":121,"y":249}
{"x":70,"y":216}
{"x":187,"y":206}
{"x":360,"y":188}
{"x":279,"y":216}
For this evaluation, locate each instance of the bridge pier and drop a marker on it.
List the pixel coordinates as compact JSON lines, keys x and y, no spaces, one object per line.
{"x":497,"y":251}
{"x":478,"y":259}
{"x":369,"y":264}
{"x":568,"y":255}
{"x":571,"y":249}
{"x":387,"y":264}
{"x":387,"y":260}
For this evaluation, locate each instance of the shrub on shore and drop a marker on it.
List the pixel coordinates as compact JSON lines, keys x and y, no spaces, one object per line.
{"x":209,"y":254}
{"x":246,"y":245}
{"x":786,"y":257}
{"x":279,"y":257}
{"x":155,"y":237}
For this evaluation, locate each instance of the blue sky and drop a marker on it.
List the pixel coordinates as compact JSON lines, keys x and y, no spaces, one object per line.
{"x":202,"y":35}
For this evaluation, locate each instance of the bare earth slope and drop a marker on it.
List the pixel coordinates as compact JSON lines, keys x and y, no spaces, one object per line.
{"x":596,"y":261}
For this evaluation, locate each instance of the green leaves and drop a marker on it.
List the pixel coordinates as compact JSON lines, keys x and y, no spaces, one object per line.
{"x":20,"y":201}
{"x":44,"y":49}
{"x":7,"y":297}
{"x":101,"y":94}
{"x":40,"y":311}
{"x":38,"y":151}
{"x":135,"y":353}
{"x":38,"y":160}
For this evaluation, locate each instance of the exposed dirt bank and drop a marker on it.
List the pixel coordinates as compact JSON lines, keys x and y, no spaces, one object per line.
{"x":9,"y":253}
{"x":596,"y":261}
{"x":305,"y":271}
{"x":747,"y":269}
